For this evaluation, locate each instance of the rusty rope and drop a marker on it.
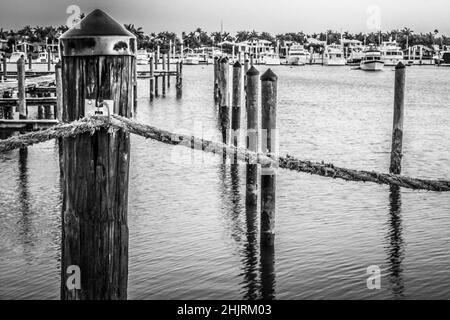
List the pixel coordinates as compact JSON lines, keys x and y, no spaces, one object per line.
{"x":92,"y":124}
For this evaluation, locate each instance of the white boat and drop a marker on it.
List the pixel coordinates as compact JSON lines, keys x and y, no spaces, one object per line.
{"x":271,"y":59}
{"x":42,"y":57}
{"x":192,"y":59}
{"x":142,"y":57}
{"x":334,"y":55}
{"x":391,"y":53}
{"x":372,"y":60}
{"x":15,"y":56}
{"x":298,"y":55}
{"x":445,"y":58}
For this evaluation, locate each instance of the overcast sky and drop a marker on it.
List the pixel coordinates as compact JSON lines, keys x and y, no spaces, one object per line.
{"x":274,"y":16}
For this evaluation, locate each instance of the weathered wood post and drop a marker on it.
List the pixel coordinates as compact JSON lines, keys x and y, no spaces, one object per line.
{"x":269,"y":145}
{"x":49,"y":62}
{"x":163,"y":81}
{"x":135,"y":92}
{"x":236,"y":105}
{"x":5,"y":67}
{"x":251,"y":60}
{"x":216,"y":80}
{"x":58,"y":83}
{"x":397,"y":130}
{"x":96,"y":69}
{"x":224,"y":99}
{"x":48,"y":112}
{"x":22,"y":103}
{"x":168,"y":69}
{"x":152,"y":77}
{"x":251,"y":103}
{"x":30,"y":61}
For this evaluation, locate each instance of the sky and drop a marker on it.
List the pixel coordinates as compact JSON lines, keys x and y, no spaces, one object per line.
{"x":275,"y":16}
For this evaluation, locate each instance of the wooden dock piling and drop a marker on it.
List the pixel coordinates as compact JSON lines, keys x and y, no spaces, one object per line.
{"x":168,"y":69}
{"x":49,"y":61}
{"x":30,"y":61}
{"x":397,"y":130}
{"x":269,"y":145}
{"x":59,"y":92}
{"x":224,"y":99}
{"x":96,"y":167}
{"x":251,"y":103}
{"x":21,"y":88}
{"x":5,"y":67}
{"x":236,"y":104}
{"x":163,"y":82}
{"x":152,"y":78}
{"x":216,"y":80}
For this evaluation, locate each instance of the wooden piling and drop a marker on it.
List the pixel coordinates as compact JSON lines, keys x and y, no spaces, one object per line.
{"x":251,"y":103}
{"x":397,"y":130}
{"x":49,"y":62}
{"x":96,"y":167}
{"x":168,"y":69}
{"x":5,"y":67}
{"x":152,"y":77}
{"x":59,"y":92}
{"x":21,"y":88}
{"x":30,"y":61}
{"x":224,"y":99}
{"x":269,"y":145}
{"x":163,"y":81}
{"x":236,"y":104}
{"x":156,"y":86}
{"x":216,"y":80}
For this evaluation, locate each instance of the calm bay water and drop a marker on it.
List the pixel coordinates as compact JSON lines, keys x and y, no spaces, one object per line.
{"x":190,"y":236}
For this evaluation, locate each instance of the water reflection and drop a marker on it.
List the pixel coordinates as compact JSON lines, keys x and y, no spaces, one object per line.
{"x":25,"y":221}
{"x":395,"y":248}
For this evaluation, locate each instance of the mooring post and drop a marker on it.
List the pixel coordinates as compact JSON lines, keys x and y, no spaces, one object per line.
{"x":156,"y":85}
{"x":269,"y":146}
{"x":163,"y":71}
{"x":168,"y":69}
{"x":48,"y":113}
{"x":22,"y":103}
{"x":49,"y":62}
{"x":30,"y":61}
{"x":251,"y":103}
{"x":5,"y":67}
{"x":397,"y":130}
{"x":224,"y":100}
{"x":236,"y":105}
{"x":97,"y":71}
{"x":152,"y":77}
{"x":135,"y":93}
{"x":58,"y":83}
{"x":251,"y":60}
{"x":216,"y":80}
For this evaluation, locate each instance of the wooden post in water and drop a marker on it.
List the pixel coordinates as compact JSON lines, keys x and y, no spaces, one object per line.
{"x":58,"y":83}
{"x":163,"y":82}
{"x":397,"y":130}
{"x":224,"y":99}
{"x":152,"y":77}
{"x":96,"y":70}
{"x":21,"y":88}
{"x":269,"y":145}
{"x":168,"y":69}
{"x":251,"y":103}
{"x":49,"y":62}
{"x":30,"y":61}
{"x":216,"y":79}
{"x":5,"y":67}
{"x":236,"y":105}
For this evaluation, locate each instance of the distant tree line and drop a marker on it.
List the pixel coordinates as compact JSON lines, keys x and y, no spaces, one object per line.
{"x":197,"y":38}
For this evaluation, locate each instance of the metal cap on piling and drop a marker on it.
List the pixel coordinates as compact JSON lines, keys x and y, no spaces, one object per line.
{"x":237,"y":64}
{"x":97,"y":34}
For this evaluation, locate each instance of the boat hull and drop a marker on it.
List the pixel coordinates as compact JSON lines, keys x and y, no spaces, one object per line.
{"x":296,"y":61}
{"x":372,"y":65}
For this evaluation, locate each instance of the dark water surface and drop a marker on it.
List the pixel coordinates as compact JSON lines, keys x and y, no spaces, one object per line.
{"x":190,"y":236}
